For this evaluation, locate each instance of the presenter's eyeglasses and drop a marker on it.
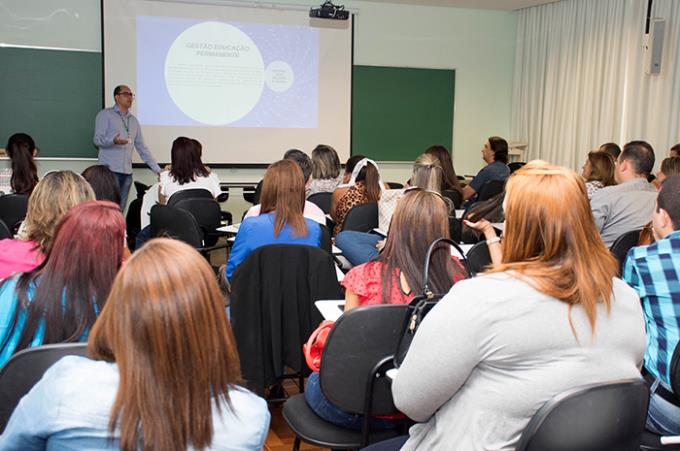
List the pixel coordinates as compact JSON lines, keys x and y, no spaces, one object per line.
{"x":126,"y":94}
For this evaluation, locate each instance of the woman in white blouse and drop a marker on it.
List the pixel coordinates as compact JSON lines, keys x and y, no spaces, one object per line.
{"x":187,"y":171}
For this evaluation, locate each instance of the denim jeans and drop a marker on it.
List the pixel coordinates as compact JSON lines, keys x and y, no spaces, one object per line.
{"x":329,"y":412}
{"x":662,"y":416}
{"x":392,"y":444}
{"x":124,"y":183}
{"x":357,"y":247}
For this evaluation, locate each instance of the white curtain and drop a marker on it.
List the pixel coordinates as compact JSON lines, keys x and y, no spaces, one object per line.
{"x":580,"y":79}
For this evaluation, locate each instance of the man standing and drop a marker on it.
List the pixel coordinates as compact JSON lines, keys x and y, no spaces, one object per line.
{"x":653,"y":271}
{"x":629,"y":205}
{"x":116,"y":132}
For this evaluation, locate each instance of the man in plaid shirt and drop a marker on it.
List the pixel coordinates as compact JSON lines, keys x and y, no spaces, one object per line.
{"x":654,"y":272}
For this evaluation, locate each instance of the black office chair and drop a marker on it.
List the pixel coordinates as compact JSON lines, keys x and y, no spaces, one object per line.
{"x":362,"y":218}
{"x":140,"y":189}
{"x":21,"y":372}
{"x":194,"y":193}
{"x":478,"y":258}
{"x":272,"y":309}
{"x":13,"y":210}
{"x":597,"y":417}
{"x":490,"y":189}
{"x":455,"y":229}
{"x":515,"y":165}
{"x":5,"y":232}
{"x":180,"y":224}
{"x":358,"y":351}
{"x":456,"y":197}
{"x":395,"y":185}
{"x":322,"y":200}
{"x":623,"y":244}
{"x":650,"y":440}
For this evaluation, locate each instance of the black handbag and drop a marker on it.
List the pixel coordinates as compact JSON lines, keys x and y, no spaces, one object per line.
{"x":421,"y":305}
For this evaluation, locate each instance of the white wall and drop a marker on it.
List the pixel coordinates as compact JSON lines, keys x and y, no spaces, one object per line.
{"x":478,"y":44}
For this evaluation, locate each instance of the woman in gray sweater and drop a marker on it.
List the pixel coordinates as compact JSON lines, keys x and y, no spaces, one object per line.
{"x":551,"y":316}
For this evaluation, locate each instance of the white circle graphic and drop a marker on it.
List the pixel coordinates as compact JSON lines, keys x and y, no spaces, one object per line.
{"x":279,"y":76}
{"x":214,"y":73}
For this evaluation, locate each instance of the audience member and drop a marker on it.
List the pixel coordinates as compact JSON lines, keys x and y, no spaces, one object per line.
{"x":669,"y":166}
{"x":23,"y":175}
{"x":103,"y":182}
{"x":551,"y":317}
{"x":674,"y":151}
{"x":450,"y":181}
{"x":397,"y":274}
{"x":365,"y":186}
{"x":598,"y":170}
{"x":59,"y":300}
{"x":653,"y":271}
{"x":52,"y":197}
{"x":628,"y":205}
{"x":612,"y":149}
{"x":349,"y":168}
{"x":325,"y":170}
{"x":311,"y":211}
{"x":163,"y":372}
{"x":360,"y":247}
{"x":280,"y":218}
{"x":187,"y":171}
{"x":495,"y":154}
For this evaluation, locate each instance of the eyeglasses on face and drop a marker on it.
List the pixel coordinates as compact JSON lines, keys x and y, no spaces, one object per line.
{"x":126,"y":94}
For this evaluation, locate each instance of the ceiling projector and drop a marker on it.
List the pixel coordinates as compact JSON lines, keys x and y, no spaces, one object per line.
{"x":329,"y":11}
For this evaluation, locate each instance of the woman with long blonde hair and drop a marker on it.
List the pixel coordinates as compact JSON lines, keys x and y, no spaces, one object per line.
{"x":551,"y":316}
{"x":163,"y":372}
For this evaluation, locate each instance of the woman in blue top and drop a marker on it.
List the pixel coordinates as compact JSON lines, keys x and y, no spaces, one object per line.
{"x":59,"y":300}
{"x":495,"y":154}
{"x":163,"y":372}
{"x":281,"y":219}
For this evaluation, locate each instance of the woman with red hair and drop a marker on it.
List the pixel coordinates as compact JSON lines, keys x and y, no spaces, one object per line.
{"x":60,"y":299}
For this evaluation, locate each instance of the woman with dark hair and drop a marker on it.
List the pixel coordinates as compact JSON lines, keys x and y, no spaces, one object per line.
{"x":550,"y":317}
{"x":281,"y":219}
{"x":598,"y":171}
{"x":395,"y":276}
{"x":495,"y":154}
{"x":59,"y":300}
{"x":52,"y":198}
{"x":187,"y":171}
{"x":365,"y":186}
{"x":450,"y":181}
{"x":163,"y":372}
{"x":104,"y":182}
{"x":24,"y":174}
{"x":325,"y":170}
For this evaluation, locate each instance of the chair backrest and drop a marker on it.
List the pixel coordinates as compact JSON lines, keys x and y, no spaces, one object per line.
{"x":455,"y":229}
{"x":189,"y":194}
{"x":603,"y":416}
{"x":175,"y":223}
{"x":140,"y":189}
{"x":13,"y":210}
{"x":322,"y":200}
{"x":623,"y":244}
{"x":5,"y":232}
{"x":258,"y":193}
{"x":675,"y":371}
{"x":359,"y":340}
{"x":207,"y":214}
{"x":362,"y":218}
{"x":249,"y":194}
{"x":478,"y":257}
{"x":515,"y":165}
{"x":490,"y":189}
{"x":456,"y":197}
{"x":395,"y":185}
{"x":133,"y":221}
{"x":272,"y":308}
{"x":21,"y":372}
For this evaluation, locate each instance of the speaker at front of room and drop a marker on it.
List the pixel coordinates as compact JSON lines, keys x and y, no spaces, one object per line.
{"x":654,"y":45}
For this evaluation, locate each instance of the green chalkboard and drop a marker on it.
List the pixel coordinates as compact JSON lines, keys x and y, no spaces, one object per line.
{"x":53,"y":96}
{"x":398,"y":112}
